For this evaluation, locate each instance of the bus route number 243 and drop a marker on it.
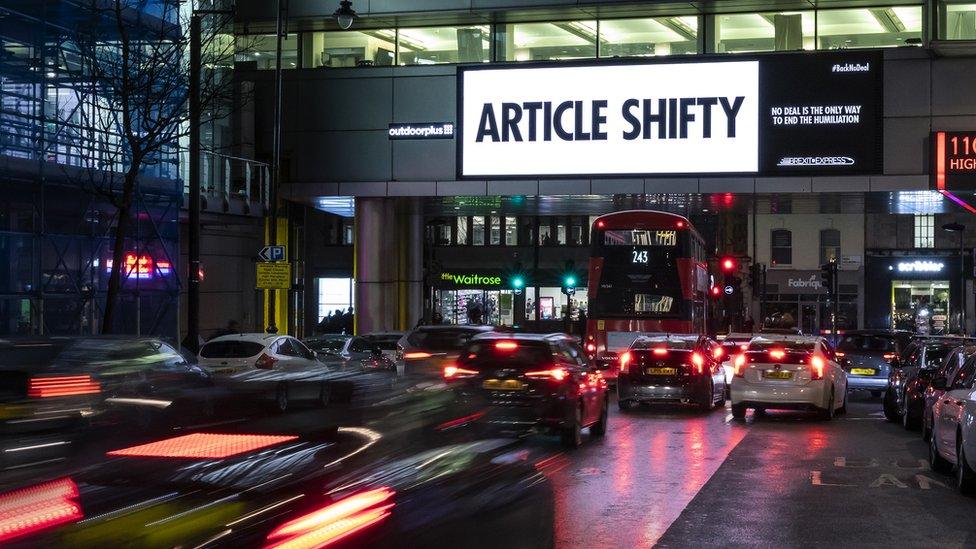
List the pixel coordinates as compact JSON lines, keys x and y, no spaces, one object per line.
{"x":639,"y":256}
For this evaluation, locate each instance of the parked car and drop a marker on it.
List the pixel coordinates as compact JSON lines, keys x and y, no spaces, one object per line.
{"x":953,"y":363}
{"x":866,"y":356}
{"x":347,"y":351}
{"x":794,"y":373}
{"x":952,"y":440}
{"x":271,"y":367}
{"x":910,"y":376}
{"x":531,"y":381}
{"x":672,"y":368}
{"x":426,"y":350}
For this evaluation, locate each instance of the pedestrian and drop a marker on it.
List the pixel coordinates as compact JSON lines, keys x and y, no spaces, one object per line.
{"x":347,"y":321}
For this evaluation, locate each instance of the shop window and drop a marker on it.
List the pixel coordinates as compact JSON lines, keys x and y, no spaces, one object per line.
{"x":958,"y":21}
{"x":348,"y":48}
{"x":262,"y":49}
{"x":748,"y":32}
{"x":561,"y":231}
{"x":546,"y":237}
{"x":442,"y":233}
{"x":546,"y":41}
{"x":436,"y":45}
{"x":495,"y":230}
{"x":647,"y":37}
{"x":335,"y":294}
{"x":347,"y":231}
{"x":478,"y":230}
{"x":781,"y":248}
{"x":576,"y":235}
{"x":462,"y":231}
{"x":829,"y":245}
{"x":868,"y":27}
{"x":924,"y":235}
{"x":511,"y":231}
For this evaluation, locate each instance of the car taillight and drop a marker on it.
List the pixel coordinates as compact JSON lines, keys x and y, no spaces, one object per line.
{"x":739,"y":364}
{"x":718,"y":352}
{"x":660,"y":351}
{"x":698,"y":360}
{"x":840,"y":354}
{"x":416,"y":355}
{"x":332,"y":523}
{"x":266,"y":362}
{"x":453,"y":371}
{"x":889,"y":356}
{"x":777,"y":354}
{"x":506,"y":345}
{"x":590,"y":347}
{"x":556,"y":374}
{"x":60,"y":386}
{"x":625,"y":358}
{"x":816,"y":367}
{"x":36,"y":508}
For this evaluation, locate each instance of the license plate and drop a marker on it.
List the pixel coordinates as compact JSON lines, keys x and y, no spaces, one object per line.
{"x":503,"y":385}
{"x":9,"y":411}
{"x":778,"y":374}
{"x":662,"y":371}
{"x":863,"y":371}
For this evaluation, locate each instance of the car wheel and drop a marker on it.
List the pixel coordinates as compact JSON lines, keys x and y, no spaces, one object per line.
{"x":325,"y":395}
{"x":908,"y":421}
{"x":965,"y":476}
{"x":936,"y":462}
{"x":926,"y":432}
{"x":827,"y":414}
{"x":281,"y":398}
{"x":708,"y":399}
{"x":625,"y":405}
{"x":573,"y":433}
{"x":739,"y":411}
{"x":888,"y":404}
{"x":599,"y":428}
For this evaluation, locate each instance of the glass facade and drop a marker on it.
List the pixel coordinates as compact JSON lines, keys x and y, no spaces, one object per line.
{"x":957,"y":20}
{"x":771,"y":31}
{"x":651,"y":36}
{"x":436,"y":45}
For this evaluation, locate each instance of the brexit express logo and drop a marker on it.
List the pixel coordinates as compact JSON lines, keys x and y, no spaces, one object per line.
{"x":660,"y":118}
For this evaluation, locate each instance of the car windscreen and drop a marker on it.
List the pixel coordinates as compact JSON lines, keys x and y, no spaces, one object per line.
{"x":231,"y":349}
{"x":520,"y":355}
{"x":934,"y":356}
{"x":384,"y":343}
{"x":329,"y":345}
{"x":78,"y":352}
{"x":866,"y":343}
{"x":440,"y":340}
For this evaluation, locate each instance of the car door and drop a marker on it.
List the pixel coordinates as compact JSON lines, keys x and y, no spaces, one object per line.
{"x":713,"y":353}
{"x":838,"y":376}
{"x":571,"y":359}
{"x":953,"y":403}
{"x":940,"y":422}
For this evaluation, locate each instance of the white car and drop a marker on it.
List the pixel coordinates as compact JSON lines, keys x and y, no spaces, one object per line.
{"x":788,"y":372}
{"x":952,"y":443}
{"x":275,"y":367}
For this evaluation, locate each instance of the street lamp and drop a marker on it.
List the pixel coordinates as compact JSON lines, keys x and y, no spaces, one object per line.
{"x":345,"y":15}
{"x":960,"y":228}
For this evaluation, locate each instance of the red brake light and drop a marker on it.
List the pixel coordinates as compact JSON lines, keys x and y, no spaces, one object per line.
{"x":889,"y":356}
{"x":334,"y":522}
{"x":58,"y":386}
{"x":416,"y":355}
{"x":203,"y":446}
{"x":777,"y":354}
{"x":625,"y":359}
{"x":816,"y":367}
{"x":600,"y":224}
{"x":739,"y":364}
{"x":506,"y":345}
{"x":718,"y":352}
{"x":660,"y":351}
{"x":451,"y":371}
{"x":266,"y":362}
{"x":744,"y":346}
{"x":591,"y":347}
{"x":557,"y":374}
{"x":840,"y":354}
{"x":32,"y":509}
{"x":698,"y":360}
{"x":680,"y":224}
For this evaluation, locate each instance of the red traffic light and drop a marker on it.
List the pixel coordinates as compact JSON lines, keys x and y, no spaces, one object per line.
{"x":716,"y":291}
{"x":728,"y":264}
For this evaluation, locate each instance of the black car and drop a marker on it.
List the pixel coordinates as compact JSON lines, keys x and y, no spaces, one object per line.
{"x":910,"y":376}
{"x":671,"y":368}
{"x":866,"y":356}
{"x":524,"y":382}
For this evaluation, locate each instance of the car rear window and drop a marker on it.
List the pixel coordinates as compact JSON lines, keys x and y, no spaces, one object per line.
{"x":788,"y":346}
{"x":524,"y":355}
{"x":866,"y":343}
{"x":332,"y":344}
{"x":441,"y":340}
{"x":650,"y":343}
{"x":384,"y":343}
{"x":231,"y":349}
{"x":934,"y":356}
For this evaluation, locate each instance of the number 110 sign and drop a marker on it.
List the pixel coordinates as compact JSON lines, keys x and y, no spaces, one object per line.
{"x":954,"y":160}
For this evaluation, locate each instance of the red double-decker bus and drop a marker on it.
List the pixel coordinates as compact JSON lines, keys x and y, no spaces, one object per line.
{"x":648,"y":274}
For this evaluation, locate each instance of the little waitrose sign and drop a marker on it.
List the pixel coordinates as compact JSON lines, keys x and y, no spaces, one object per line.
{"x":471,"y":279}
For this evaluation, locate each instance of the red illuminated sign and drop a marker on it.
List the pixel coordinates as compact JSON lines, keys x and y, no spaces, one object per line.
{"x":203,"y":446}
{"x":954,"y":160}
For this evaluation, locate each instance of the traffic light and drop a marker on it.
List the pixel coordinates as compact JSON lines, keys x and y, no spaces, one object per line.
{"x":517,"y":282}
{"x":728,"y":264}
{"x":569,"y":278}
{"x":716,"y":292}
{"x":828,"y":276}
{"x":516,"y":279}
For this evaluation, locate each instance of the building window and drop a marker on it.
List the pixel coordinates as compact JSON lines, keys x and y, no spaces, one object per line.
{"x":348,"y":227}
{"x":957,"y":21}
{"x":781,"y":247}
{"x":478,"y":230}
{"x":546,"y":41}
{"x":262,"y":49}
{"x":924,"y":231}
{"x":647,"y":37}
{"x":437,"y":45}
{"x":829,"y":245}
{"x":747,"y":32}
{"x":511,"y":231}
{"x":335,"y":294}
{"x":868,"y":27}
{"x":495,"y":230}
{"x":349,"y":48}
{"x":462,"y":231}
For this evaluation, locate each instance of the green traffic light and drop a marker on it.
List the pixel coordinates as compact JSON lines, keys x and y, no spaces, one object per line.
{"x":517,"y":282}
{"x":569,"y":282}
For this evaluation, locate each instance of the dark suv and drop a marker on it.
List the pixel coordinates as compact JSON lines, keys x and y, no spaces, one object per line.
{"x":866,"y":356}
{"x":671,"y":368}
{"x":523,"y":382}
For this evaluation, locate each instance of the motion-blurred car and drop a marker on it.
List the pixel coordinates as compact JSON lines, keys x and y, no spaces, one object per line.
{"x":347,"y":351}
{"x":793,"y":373}
{"x":350,"y":488}
{"x":271,"y":367}
{"x":910,"y":376}
{"x":385,"y":342}
{"x":672,"y":368}
{"x":952,"y":440}
{"x":427,"y":349}
{"x":57,"y":382}
{"x":866,"y":356}
{"x":531,"y":381}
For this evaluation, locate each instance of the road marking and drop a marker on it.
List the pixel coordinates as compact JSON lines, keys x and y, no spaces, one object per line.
{"x":886,"y":479}
{"x":816,"y":480}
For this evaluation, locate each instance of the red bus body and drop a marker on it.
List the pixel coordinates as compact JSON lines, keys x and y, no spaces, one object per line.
{"x":644,"y":256}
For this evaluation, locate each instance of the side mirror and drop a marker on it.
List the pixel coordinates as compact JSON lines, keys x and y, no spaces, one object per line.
{"x":939,"y":383}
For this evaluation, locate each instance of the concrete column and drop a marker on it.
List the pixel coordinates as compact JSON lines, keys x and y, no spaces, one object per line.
{"x":376,"y":265}
{"x":410,"y":274}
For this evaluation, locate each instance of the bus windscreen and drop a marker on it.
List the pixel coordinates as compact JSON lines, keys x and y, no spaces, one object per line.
{"x":638,"y":281}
